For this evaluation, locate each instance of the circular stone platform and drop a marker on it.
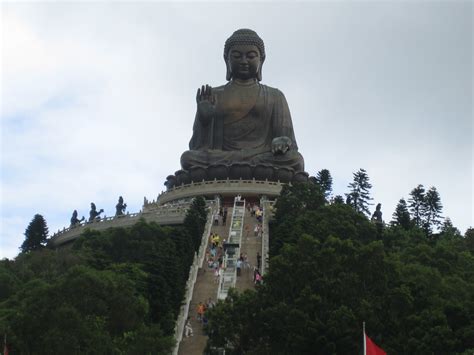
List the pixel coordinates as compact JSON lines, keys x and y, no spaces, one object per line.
{"x":246,"y":188}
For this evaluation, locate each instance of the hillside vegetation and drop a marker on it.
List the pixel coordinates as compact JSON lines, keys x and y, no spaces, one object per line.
{"x":113,"y":292}
{"x":331,"y":269}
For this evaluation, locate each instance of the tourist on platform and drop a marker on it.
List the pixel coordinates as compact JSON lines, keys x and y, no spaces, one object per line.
{"x":259,"y":215}
{"x":239,"y":266}
{"x":247,"y":230}
{"x":258,"y":278}
{"x":188,"y":330}
{"x":200,"y":311}
{"x":224,"y":217}
{"x":245,"y":262}
{"x":210,"y":303}
{"x":216,"y":240}
{"x":254,"y":210}
{"x":217,"y":274}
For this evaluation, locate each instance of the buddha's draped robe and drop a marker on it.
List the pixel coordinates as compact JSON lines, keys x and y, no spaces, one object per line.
{"x":246,"y":120}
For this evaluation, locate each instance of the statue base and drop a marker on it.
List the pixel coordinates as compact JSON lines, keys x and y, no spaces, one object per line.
{"x":246,"y":188}
{"x":235,"y":171}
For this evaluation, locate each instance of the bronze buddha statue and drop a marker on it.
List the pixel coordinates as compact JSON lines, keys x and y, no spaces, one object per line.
{"x":242,"y":129}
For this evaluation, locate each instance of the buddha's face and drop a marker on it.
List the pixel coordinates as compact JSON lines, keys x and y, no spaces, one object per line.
{"x":244,"y":61}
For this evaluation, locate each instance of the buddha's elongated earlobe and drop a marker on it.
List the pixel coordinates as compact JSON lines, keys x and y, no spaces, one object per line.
{"x":259,"y":72}
{"x":228,"y":74}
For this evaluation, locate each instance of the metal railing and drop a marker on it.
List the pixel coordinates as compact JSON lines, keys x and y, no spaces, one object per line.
{"x":197,"y":263}
{"x":232,"y":253}
{"x":165,"y":214}
{"x":233,"y":187}
{"x":267,"y":211}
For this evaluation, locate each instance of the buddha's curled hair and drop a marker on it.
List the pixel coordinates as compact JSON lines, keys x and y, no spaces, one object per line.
{"x":244,"y":36}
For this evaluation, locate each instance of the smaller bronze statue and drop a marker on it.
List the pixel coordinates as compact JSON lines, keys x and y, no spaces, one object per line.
{"x":74,"y":220}
{"x":377,"y":216}
{"x":120,"y":207}
{"x":93,"y":214}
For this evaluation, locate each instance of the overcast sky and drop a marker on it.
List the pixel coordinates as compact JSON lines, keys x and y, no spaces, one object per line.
{"x":98,"y":98}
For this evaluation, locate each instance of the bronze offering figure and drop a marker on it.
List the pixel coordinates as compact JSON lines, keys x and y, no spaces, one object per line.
{"x":120,"y":207}
{"x":74,"y":220}
{"x":93,"y":214}
{"x":377,"y":215}
{"x":242,"y":129}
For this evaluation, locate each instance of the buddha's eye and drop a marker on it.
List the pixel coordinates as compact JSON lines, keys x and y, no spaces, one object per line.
{"x":236,"y":55}
{"x":252,"y":55}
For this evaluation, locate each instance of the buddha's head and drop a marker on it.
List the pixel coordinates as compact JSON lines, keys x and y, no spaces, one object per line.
{"x":244,"y":54}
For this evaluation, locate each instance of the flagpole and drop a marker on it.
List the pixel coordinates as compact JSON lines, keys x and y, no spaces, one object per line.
{"x":363,"y":331}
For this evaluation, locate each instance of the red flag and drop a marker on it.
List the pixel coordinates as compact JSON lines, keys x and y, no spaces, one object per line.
{"x":5,"y":347}
{"x":371,"y":348}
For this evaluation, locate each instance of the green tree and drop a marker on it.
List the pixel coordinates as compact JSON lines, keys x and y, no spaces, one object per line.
{"x":432,"y":209}
{"x":416,"y":205}
{"x":448,"y":229}
{"x":359,"y":195}
{"x":469,"y":239}
{"x":328,"y":272}
{"x":35,"y":234}
{"x":295,"y":199}
{"x":324,"y":180}
{"x":401,"y":216}
{"x":195,"y":220}
{"x":116,"y":291}
{"x":338,"y":199}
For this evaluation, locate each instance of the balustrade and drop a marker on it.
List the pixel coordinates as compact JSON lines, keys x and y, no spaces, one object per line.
{"x":232,"y":251}
{"x":164,"y":214}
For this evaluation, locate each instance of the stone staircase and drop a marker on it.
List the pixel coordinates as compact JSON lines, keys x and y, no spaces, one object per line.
{"x":204,"y":288}
{"x":238,"y":230}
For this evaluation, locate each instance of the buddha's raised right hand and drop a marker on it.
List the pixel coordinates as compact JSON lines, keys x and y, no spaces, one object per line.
{"x":205,"y":103}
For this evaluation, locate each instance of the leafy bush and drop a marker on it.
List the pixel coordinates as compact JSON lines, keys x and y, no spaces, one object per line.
{"x":330,"y":271}
{"x":118,"y":291}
